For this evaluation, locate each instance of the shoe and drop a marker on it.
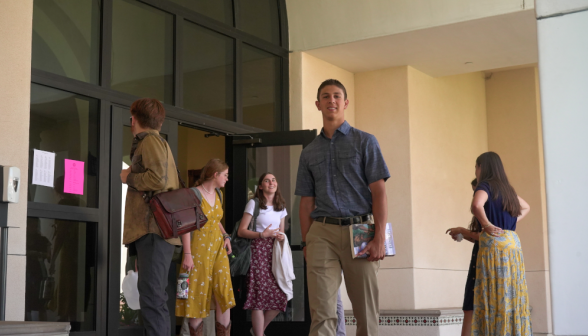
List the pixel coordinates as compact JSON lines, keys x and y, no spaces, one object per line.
{"x":251,"y":331}
{"x":221,"y":330}
{"x":199,"y":331}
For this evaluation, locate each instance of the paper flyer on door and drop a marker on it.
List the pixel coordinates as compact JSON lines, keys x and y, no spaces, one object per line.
{"x":43,"y":168}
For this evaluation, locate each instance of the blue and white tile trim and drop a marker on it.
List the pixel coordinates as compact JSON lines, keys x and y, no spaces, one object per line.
{"x":415,"y":320}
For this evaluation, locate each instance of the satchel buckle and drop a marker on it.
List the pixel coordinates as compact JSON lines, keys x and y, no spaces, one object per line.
{"x":179,"y":223}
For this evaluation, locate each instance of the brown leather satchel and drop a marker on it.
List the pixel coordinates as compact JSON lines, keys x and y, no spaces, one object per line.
{"x":177,"y":212}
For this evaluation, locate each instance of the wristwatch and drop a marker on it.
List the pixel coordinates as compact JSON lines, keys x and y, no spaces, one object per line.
{"x":302,"y":244}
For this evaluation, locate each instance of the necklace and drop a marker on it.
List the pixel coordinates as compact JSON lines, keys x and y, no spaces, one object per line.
{"x":208,"y":192}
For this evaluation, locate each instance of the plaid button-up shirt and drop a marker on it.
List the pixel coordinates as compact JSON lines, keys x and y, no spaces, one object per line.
{"x":338,"y":172}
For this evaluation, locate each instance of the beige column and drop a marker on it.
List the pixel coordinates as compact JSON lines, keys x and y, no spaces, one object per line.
{"x":447,"y":133}
{"x":16,"y":26}
{"x":383,"y":110}
{"x":514,"y":132}
{"x":561,"y":35}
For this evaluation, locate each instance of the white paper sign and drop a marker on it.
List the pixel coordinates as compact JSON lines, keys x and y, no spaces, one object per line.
{"x":43,"y":168}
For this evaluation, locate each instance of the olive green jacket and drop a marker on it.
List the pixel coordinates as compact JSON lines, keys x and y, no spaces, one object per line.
{"x":153,"y":170}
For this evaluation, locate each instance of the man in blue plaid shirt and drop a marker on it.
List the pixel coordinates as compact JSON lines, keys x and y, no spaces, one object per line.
{"x":340,"y":181}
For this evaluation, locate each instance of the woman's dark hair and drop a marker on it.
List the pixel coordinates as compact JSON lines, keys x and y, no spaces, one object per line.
{"x":492,"y":172}
{"x":474,"y":224}
{"x":279,"y":202}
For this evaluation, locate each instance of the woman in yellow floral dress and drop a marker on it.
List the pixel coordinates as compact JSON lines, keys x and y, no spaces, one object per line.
{"x":501,"y":301}
{"x":205,"y":258}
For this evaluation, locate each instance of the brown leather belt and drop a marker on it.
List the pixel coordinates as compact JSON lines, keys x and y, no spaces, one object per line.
{"x":345,"y":220}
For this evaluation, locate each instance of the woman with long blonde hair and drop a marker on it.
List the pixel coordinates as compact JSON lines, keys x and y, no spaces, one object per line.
{"x":205,"y":257}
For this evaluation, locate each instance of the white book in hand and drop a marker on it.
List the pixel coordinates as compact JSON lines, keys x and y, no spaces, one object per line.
{"x":362,"y":234}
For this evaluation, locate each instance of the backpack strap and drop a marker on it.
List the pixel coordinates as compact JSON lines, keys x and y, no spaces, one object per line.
{"x":255,"y":214}
{"x":220,"y":195}
{"x":198,"y":194}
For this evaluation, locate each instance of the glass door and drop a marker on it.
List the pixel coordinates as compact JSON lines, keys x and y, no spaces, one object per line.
{"x":122,"y":320}
{"x":248,"y":157}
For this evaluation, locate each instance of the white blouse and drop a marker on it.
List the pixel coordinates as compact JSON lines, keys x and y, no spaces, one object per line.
{"x":267,"y":217}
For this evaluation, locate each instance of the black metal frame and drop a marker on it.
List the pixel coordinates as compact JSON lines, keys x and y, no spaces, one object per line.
{"x":236,"y":157}
{"x":119,"y":119}
{"x":175,"y":110}
{"x":107,"y":309}
{"x":94,"y":215}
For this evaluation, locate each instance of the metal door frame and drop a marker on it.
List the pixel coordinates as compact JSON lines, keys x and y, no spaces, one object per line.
{"x":236,"y":157}
{"x":120,"y":118}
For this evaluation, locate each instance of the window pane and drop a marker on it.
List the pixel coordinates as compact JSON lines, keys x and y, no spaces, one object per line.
{"x":142,"y":50}
{"x":221,"y":10}
{"x":261,"y":88}
{"x":65,"y":124}
{"x":260,"y":18}
{"x":208,"y":72}
{"x":129,"y":318}
{"x":61,"y":272}
{"x":66,"y":38}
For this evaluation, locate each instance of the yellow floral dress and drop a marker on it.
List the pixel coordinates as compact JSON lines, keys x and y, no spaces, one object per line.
{"x":211,"y":274}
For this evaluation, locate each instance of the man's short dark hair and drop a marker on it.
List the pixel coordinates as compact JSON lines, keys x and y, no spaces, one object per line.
{"x":148,"y":112}
{"x":331,"y":82}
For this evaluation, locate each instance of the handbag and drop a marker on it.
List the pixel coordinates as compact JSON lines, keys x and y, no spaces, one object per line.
{"x":241,"y":259}
{"x":177,"y":212}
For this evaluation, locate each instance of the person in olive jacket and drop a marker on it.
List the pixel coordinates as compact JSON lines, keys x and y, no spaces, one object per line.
{"x":153,"y":170}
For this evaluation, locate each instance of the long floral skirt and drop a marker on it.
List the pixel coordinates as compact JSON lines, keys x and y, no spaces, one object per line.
{"x":501,"y":302}
{"x":263,"y":292}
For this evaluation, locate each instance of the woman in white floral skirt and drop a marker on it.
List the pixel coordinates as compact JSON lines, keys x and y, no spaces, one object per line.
{"x":265,"y":299}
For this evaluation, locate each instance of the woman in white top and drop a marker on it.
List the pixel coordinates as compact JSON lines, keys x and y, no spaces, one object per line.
{"x":264,"y":296}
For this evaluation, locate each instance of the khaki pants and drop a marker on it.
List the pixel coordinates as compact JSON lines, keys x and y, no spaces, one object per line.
{"x":328,"y":252}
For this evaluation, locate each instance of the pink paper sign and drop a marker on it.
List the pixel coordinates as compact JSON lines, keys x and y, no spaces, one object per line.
{"x":74,"y":177}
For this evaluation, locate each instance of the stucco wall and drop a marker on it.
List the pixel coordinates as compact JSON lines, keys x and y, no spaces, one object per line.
{"x":16,"y":19}
{"x":514,"y":132}
{"x":430,"y":131}
{"x":306,"y":74}
{"x":447,"y":132}
{"x":318,"y":23}
{"x":383,"y":110}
